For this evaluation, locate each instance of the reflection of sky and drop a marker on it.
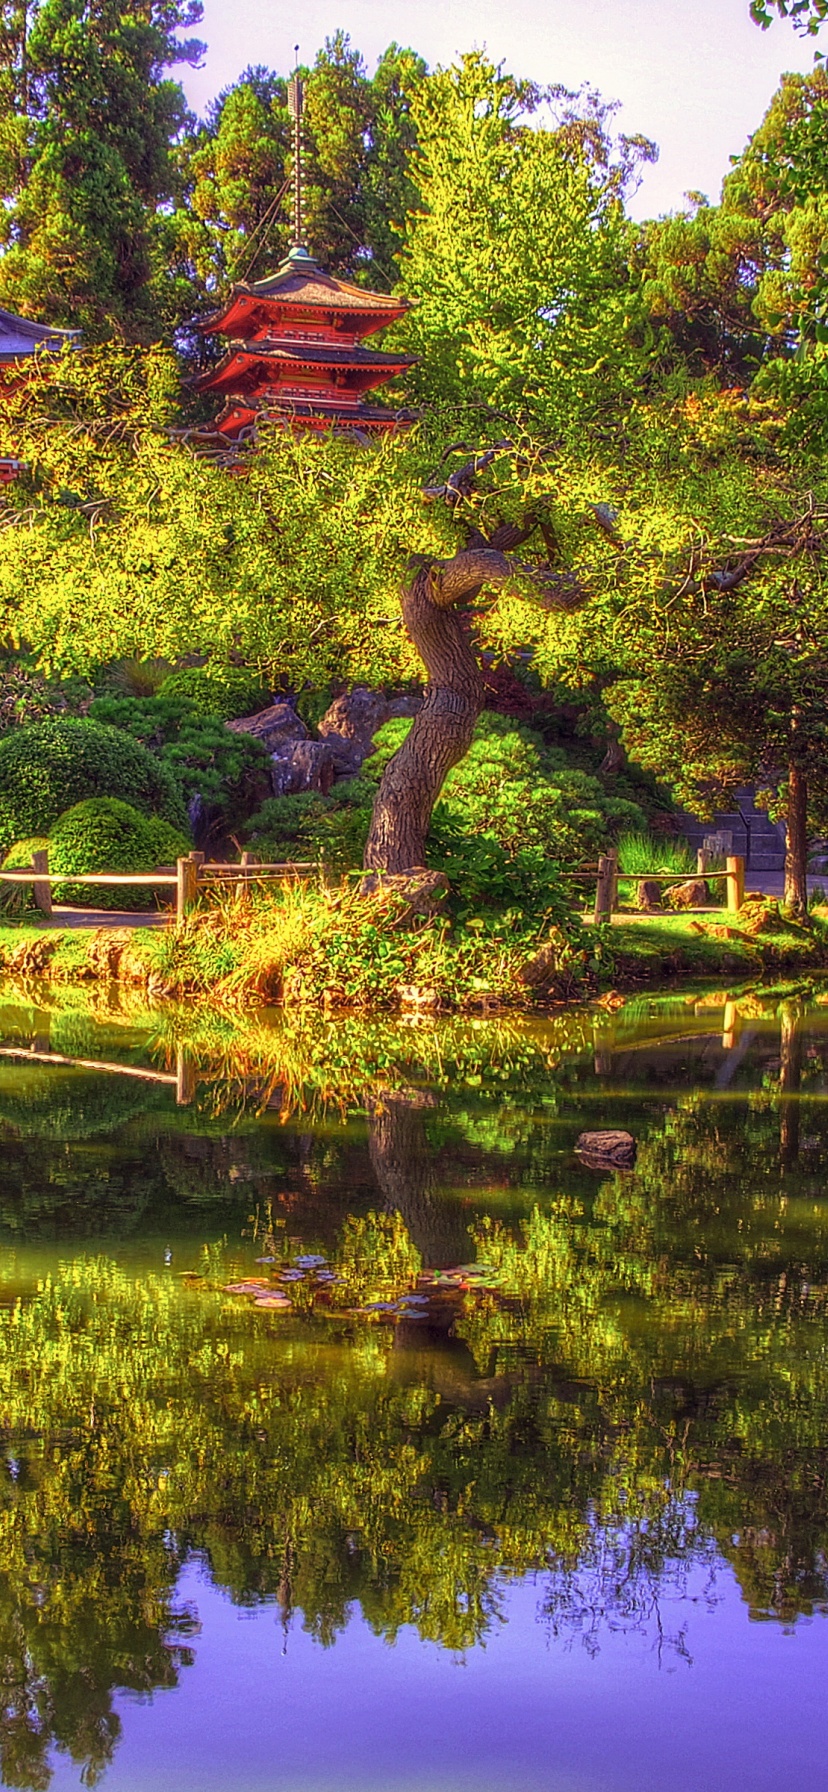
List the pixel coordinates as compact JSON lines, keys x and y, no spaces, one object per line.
{"x":525,"y":1714}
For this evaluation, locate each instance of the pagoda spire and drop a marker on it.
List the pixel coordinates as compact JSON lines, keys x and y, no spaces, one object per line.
{"x":296,"y":107}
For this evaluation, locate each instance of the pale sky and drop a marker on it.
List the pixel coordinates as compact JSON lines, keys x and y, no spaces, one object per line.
{"x":695,"y":75}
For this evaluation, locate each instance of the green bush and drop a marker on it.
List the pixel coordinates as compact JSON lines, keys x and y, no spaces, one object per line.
{"x":17,"y":899}
{"x":330,"y":828}
{"x":227,"y":772}
{"x":49,"y":766}
{"x":104,"y":834}
{"x":223,"y":691}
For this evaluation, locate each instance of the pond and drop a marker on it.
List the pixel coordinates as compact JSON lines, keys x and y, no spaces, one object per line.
{"x":360,"y":1434}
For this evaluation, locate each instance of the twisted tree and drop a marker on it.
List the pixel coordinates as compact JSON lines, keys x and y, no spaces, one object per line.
{"x":437,"y":601}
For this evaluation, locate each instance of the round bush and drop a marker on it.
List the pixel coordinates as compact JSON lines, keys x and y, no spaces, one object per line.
{"x":48,"y":766}
{"x":223,"y":691}
{"x":104,"y":834}
{"x":17,"y":899}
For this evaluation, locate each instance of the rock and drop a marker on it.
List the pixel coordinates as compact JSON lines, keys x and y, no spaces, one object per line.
{"x":539,"y":970}
{"x":610,"y":1150}
{"x":648,"y":894}
{"x":278,"y":727}
{"x":304,"y":765}
{"x":352,"y":720}
{"x":424,"y":891}
{"x":692,"y":894}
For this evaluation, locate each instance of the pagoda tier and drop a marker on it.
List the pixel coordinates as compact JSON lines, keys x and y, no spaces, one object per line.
{"x":296,"y":352}
{"x":20,"y":338}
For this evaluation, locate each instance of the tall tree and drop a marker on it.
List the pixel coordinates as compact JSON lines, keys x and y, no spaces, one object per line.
{"x":86,"y":163}
{"x":517,"y":251}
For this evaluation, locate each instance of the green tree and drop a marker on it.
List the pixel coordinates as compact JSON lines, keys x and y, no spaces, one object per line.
{"x":86,"y":158}
{"x":517,"y":251}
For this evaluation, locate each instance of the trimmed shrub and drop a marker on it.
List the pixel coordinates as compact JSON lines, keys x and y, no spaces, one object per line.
{"x":224,"y":774}
{"x":105,"y":834}
{"x":17,"y":899}
{"x":223,"y":691}
{"x":49,"y":766}
{"x":330,"y":828}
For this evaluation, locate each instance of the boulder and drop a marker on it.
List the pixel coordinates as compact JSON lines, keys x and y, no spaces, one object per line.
{"x":278,"y":728}
{"x":648,"y":894}
{"x":611,"y":1150}
{"x":352,"y":720}
{"x":302,"y":765}
{"x":691,"y":894}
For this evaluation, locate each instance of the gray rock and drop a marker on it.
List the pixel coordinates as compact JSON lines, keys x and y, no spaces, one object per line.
{"x":611,"y":1150}
{"x":648,"y":894}
{"x":352,"y":720}
{"x":278,"y":728}
{"x":691,"y":894}
{"x":303,"y":765}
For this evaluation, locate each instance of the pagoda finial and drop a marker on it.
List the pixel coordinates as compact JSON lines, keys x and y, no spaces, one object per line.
{"x":296,"y":105}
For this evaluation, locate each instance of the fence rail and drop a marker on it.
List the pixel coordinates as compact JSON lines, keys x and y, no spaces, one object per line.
{"x":190,"y":876}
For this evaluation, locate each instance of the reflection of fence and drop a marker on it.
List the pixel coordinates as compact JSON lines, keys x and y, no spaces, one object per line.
{"x":183,"y":1080}
{"x":191,"y":877}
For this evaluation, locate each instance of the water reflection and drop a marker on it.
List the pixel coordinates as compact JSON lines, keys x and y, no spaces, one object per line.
{"x":629,"y":1394}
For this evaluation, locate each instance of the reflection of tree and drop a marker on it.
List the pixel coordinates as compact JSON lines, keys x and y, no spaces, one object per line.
{"x":404,"y":1168}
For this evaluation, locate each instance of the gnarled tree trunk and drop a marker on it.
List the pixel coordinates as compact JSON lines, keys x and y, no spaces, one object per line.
{"x":442,"y":731}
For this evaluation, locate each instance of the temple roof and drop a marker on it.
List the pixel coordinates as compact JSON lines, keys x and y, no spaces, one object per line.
{"x":242,"y":412}
{"x":302,"y":283}
{"x":21,"y":336}
{"x":239,"y":361}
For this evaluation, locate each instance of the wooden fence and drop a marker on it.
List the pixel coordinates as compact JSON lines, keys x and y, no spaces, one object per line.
{"x":191,"y":877}
{"x":609,"y":872}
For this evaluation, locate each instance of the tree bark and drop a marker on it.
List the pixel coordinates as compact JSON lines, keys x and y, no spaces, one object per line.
{"x":796,"y":852}
{"x":790,"y":1078}
{"x":455,"y":696}
{"x":403,"y":1164}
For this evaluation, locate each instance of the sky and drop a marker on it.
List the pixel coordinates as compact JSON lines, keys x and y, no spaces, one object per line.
{"x":694,"y":75}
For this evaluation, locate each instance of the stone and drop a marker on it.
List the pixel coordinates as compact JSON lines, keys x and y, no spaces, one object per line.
{"x":303,"y":765}
{"x":276,"y":727}
{"x":424,"y":892}
{"x":611,"y":1150}
{"x":539,"y":970}
{"x":691,"y":894}
{"x":648,"y":894}
{"x":352,"y":720}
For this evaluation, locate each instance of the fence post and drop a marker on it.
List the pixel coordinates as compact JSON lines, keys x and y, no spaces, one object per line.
{"x":42,"y":891}
{"x":735,"y":882}
{"x":187,"y":873}
{"x":605,"y":890}
{"x":248,"y":860}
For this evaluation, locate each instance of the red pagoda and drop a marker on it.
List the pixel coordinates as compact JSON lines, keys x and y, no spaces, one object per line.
{"x":296,"y":342}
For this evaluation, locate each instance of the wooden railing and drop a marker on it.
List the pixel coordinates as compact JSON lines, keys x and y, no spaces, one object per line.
{"x":609,"y":872}
{"x":192,"y":876}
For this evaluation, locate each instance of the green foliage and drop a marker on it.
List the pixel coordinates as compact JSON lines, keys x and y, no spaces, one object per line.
{"x":225,"y":774}
{"x":105,"y":834}
{"x":225,"y":692}
{"x":517,"y":251}
{"x":511,"y":815}
{"x":330,"y":829}
{"x":87,"y":164}
{"x":640,"y":853}
{"x":48,"y":766}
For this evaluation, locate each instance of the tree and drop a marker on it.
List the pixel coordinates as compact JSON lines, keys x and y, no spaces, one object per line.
{"x":86,"y":157}
{"x":517,"y":252}
{"x":805,"y":15}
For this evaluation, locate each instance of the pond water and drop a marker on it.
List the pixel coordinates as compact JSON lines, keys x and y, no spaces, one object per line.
{"x":360,"y":1435}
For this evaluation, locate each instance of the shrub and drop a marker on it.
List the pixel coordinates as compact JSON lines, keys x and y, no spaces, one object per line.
{"x":49,"y":766}
{"x":224,"y":774}
{"x":104,"y":834}
{"x":17,"y":899}
{"x":223,"y":691}
{"x":330,"y":828}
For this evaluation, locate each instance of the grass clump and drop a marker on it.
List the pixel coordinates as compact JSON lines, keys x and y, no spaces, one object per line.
{"x":640,"y":853}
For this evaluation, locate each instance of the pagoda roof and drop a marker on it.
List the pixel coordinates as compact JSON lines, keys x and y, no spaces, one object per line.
{"x":21,"y":336}
{"x":300,"y":282}
{"x":238,"y":361}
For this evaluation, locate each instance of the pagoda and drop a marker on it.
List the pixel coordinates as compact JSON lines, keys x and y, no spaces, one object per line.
{"x":296,"y":342}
